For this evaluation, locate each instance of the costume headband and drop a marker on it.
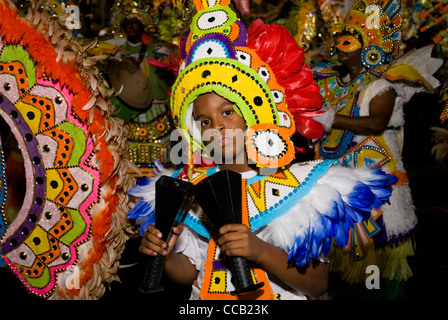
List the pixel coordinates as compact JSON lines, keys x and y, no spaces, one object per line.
{"x":218,"y":56}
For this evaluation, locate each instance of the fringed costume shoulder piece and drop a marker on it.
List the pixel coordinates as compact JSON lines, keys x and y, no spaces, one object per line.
{"x":72,"y":218}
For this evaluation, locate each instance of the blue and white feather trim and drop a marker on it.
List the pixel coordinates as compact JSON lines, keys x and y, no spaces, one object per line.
{"x":145,"y":191}
{"x":341,"y":197}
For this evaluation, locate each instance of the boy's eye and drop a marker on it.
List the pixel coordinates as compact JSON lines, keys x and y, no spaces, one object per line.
{"x":205,"y":123}
{"x":228,"y":112}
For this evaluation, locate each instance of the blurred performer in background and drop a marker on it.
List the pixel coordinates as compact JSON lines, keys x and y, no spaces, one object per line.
{"x":364,"y":97}
{"x":143,"y":99}
{"x":131,"y":22}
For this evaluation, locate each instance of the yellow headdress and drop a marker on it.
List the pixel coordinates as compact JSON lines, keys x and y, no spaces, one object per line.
{"x":378,"y":23}
{"x":216,"y":56}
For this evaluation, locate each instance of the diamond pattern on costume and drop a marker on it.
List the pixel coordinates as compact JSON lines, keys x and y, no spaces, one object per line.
{"x":57,"y":149}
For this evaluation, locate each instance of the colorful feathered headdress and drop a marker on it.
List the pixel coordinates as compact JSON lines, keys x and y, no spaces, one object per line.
{"x":262,"y":72}
{"x":378,"y":23}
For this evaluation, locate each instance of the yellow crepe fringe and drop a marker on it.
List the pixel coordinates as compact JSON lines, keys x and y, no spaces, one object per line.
{"x":391,"y":260}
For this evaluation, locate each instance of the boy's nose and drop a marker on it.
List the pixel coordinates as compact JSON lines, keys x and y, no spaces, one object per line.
{"x":218,"y":125}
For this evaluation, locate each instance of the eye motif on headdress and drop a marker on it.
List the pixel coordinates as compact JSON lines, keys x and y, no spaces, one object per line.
{"x":215,"y":58}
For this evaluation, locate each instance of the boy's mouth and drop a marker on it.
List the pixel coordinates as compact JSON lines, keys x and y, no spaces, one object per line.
{"x":223,"y":141}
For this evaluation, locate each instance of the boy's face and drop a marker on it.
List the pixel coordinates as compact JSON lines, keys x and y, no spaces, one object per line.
{"x":219,"y":121}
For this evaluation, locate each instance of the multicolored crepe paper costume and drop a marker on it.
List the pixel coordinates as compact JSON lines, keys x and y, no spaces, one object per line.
{"x":385,"y":239}
{"x":301,"y":208}
{"x":69,"y":231}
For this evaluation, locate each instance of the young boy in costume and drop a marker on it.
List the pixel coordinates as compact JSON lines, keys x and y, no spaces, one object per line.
{"x":231,"y":83}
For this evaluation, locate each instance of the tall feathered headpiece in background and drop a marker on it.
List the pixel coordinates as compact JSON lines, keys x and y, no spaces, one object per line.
{"x":129,"y":9}
{"x":378,"y":25}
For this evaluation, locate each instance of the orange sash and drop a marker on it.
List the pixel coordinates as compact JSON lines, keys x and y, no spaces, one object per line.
{"x":214,"y":284}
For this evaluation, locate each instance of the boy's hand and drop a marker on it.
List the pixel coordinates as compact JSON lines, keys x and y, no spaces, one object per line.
{"x":152,"y":244}
{"x":239,"y":240}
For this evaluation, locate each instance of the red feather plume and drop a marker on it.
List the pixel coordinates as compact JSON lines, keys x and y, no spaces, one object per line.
{"x":275,"y":46}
